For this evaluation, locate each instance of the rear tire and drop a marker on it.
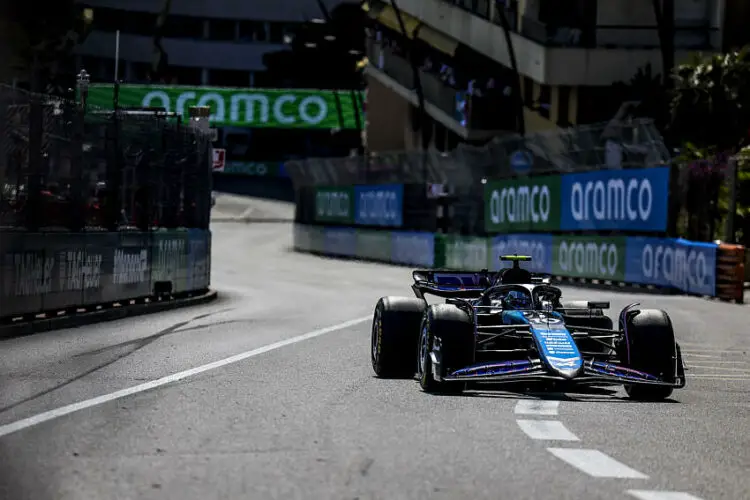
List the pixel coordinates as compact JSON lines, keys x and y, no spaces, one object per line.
{"x":393,"y":340}
{"x":454,"y":330}
{"x":652,"y":349}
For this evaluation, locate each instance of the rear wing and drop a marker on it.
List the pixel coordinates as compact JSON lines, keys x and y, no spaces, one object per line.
{"x":450,"y":284}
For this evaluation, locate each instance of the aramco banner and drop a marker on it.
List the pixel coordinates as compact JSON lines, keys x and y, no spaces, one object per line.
{"x":239,"y":107}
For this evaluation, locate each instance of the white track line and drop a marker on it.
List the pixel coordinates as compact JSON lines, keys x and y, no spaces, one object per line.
{"x":550,"y":430}
{"x":536,"y":407}
{"x":595,"y":463}
{"x":82,"y":405}
{"x":661,"y":495}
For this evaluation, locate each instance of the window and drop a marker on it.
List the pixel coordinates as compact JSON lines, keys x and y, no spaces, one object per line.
{"x":563,"y":106}
{"x":253,"y":31}
{"x":545,"y":101}
{"x":276,"y":33}
{"x":228,"y":78}
{"x":183,"y":27}
{"x":182,"y":75}
{"x":222,"y":30}
{"x":528,"y":91}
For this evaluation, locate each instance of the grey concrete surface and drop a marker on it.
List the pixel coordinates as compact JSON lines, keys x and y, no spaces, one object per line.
{"x":309,"y":420}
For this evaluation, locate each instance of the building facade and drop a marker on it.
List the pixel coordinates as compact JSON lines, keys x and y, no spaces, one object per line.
{"x":569,"y":55}
{"x":208,"y":42}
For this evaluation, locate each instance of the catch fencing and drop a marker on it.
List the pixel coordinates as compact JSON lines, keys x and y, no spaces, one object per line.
{"x":67,"y":167}
{"x":98,"y":206}
{"x":605,"y":211}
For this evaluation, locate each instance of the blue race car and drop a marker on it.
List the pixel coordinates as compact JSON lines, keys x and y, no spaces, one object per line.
{"x":511,"y":326}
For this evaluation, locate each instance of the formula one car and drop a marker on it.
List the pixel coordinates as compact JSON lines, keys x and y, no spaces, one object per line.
{"x":512,"y":326}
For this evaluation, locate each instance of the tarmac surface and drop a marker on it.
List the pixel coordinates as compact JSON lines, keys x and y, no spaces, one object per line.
{"x":268,"y":392}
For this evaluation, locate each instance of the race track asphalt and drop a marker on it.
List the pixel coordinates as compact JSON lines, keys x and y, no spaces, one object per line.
{"x":307,"y":419}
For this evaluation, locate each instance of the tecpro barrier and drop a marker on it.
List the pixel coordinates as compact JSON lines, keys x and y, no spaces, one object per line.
{"x":44,"y":272}
{"x":674,"y":264}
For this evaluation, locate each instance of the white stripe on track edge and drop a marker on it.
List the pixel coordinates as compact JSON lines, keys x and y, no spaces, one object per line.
{"x":661,"y":495}
{"x":549,"y":430}
{"x":596,"y":464}
{"x":82,"y":405}
{"x":536,"y":407}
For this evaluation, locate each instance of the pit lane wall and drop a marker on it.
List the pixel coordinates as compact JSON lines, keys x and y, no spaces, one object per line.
{"x":50,"y":272}
{"x":675,"y":264}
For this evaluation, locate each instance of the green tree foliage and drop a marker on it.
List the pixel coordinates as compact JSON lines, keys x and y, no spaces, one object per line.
{"x":710,"y":114}
{"x":710,"y":107}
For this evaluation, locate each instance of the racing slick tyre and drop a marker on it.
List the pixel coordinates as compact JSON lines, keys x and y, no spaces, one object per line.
{"x":454,"y":331}
{"x":650,"y":348}
{"x":395,"y":331}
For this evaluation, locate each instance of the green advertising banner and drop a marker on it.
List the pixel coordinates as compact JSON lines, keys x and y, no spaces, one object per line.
{"x":596,"y":257}
{"x":253,"y":168}
{"x":522,"y":205}
{"x":334,"y":204}
{"x":464,"y":253}
{"x":375,"y":245}
{"x":239,"y":107}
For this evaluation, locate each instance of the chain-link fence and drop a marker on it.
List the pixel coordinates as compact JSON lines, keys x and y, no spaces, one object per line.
{"x":635,"y":143}
{"x":63,"y":167}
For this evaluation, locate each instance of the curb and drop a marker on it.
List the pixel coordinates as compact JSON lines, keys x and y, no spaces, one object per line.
{"x":108,"y":312}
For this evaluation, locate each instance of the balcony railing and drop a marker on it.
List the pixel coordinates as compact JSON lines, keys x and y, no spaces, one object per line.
{"x":479,"y":113}
{"x":620,"y":37}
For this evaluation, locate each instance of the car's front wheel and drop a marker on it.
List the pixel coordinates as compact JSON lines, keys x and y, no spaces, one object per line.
{"x":449,"y":331}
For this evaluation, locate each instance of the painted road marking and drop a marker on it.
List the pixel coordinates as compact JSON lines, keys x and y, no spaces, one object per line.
{"x":661,"y":495}
{"x":551,"y":430}
{"x":536,"y":407}
{"x":66,"y":410}
{"x":595,"y":463}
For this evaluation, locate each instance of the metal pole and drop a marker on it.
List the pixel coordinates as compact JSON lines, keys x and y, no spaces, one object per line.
{"x":117,"y":55}
{"x":516,"y":75}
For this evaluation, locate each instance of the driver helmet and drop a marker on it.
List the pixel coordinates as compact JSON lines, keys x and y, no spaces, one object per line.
{"x":518,"y":300}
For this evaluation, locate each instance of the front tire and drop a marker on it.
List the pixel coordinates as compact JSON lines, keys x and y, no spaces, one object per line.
{"x":453,"y":330}
{"x":393,"y":340}
{"x":651,"y":348}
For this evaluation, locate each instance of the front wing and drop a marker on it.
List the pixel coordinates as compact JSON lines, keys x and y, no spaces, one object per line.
{"x":593,"y":373}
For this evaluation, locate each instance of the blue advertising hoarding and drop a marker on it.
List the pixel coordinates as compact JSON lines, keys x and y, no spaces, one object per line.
{"x":625,"y":200}
{"x":538,"y":246}
{"x":685,"y":265}
{"x":414,"y":248}
{"x":381,"y":205}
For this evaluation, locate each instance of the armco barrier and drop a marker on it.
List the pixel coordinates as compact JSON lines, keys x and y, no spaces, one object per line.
{"x":672,"y":264}
{"x":730,"y":272}
{"x":45,"y":272}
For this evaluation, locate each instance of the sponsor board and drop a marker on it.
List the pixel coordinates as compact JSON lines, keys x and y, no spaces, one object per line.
{"x":341,"y":241}
{"x":538,"y":246}
{"x":380,"y":205}
{"x":685,"y":265}
{"x":334,"y":204}
{"x":589,"y":257}
{"x":375,"y":245}
{"x":254,"y":169}
{"x":238,"y":107}
{"x":465,"y":252}
{"x":627,"y":200}
{"x":414,"y":248}
{"x":529,"y":204}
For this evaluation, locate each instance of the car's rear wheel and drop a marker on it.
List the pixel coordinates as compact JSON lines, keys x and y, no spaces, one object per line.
{"x":393,"y":340}
{"x":650,"y":347}
{"x":452,"y":329}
